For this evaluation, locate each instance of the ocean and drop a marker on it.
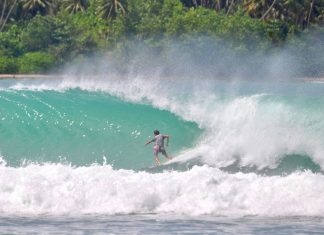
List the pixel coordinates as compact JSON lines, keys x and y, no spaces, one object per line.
{"x":248,"y":156}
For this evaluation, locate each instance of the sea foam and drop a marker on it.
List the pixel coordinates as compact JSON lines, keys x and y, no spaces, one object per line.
{"x":61,"y":189}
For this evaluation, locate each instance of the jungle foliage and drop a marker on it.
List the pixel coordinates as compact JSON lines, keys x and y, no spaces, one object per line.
{"x":42,"y":35}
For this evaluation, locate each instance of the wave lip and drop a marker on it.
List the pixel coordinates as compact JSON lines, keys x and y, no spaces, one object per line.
{"x":57,"y":189}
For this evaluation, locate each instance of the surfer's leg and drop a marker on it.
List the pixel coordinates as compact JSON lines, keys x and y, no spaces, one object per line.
{"x":155,"y":153}
{"x":165,"y":154}
{"x":157,"y":161}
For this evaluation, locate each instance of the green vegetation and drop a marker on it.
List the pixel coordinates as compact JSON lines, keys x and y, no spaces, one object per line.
{"x":33,"y":62}
{"x":42,"y":35}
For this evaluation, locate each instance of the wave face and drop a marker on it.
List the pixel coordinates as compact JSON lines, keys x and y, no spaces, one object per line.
{"x":76,"y":145}
{"x":82,"y":128}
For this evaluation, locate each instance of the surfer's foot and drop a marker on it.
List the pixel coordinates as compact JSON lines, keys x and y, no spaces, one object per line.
{"x":157,"y":161}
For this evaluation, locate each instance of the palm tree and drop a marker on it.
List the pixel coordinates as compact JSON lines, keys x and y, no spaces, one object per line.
{"x":295,"y":12}
{"x":255,"y":8}
{"x":271,"y":7}
{"x":37,"y":6}
{"x":111,"y":8}
{"x":212,"y":4}
{"x":74,"y":6}
{"x":315,"y":11}
{"x":54,"y":7}
{"x":6,"y":8}
{"x":318,"y":10}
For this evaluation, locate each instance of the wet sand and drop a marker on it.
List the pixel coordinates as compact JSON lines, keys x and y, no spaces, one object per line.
{"x":27,"y":76}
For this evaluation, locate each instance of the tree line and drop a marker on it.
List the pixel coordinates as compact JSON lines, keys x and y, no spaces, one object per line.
{"x":39,"y":35}
{"x":298,"y":12}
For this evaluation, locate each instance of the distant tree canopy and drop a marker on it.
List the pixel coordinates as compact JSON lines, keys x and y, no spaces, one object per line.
{"x":58,"y":31}
{"x":300,"y":13}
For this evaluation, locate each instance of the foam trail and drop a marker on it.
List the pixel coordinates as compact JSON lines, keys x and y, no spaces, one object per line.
{"x":61,"y":189}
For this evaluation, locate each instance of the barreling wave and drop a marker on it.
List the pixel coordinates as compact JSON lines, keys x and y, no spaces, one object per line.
{"x":249,"y":124}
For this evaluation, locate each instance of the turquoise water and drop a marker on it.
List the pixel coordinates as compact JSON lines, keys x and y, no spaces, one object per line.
{"x":82,"y":128}
{"x":73,"y":158}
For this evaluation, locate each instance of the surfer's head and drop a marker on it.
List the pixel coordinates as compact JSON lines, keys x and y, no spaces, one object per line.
{"x":156,"y":132}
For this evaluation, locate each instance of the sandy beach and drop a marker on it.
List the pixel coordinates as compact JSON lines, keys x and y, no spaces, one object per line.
{"x":26,"y":76}
{"x":55,"y":76}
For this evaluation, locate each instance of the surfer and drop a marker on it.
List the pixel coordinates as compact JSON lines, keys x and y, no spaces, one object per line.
{"x":159,"y":146}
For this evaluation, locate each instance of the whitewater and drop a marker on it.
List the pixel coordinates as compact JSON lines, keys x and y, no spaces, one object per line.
{"x":73,"y":147}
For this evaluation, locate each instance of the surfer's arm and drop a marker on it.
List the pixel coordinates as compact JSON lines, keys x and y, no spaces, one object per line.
{"x":148,"y":142}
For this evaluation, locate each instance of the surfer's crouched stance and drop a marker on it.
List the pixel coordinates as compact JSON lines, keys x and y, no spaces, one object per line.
{"x":159,"y":145}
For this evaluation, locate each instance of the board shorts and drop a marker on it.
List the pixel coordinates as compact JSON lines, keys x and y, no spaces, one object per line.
{"x":158,"y":149}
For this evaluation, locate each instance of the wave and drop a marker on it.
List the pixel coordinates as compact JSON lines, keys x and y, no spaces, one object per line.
{"x":249,"y":159}
{"x":250,"y":124}
{"x":82,"y":128}
{"x":61,"y":189}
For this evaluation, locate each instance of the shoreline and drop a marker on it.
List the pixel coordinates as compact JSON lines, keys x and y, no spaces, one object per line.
{"x":27,"y":76}
{"x":54,"y":76}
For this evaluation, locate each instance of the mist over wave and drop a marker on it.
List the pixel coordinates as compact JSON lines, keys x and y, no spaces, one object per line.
{"x":201,"y":57}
